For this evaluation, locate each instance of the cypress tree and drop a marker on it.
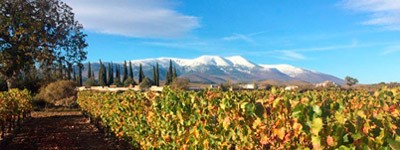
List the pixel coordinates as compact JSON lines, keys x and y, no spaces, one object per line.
{"x":167,"y":78}
{"x":154,"y":76}
{"x":169,"y":75}
{"x":174,"y":75}
{"x":130,"y":70}
{"x":170,"y":71}
{"x":80,"y":74}
{"x":141,"y":74}
{"x":94,"y":78}
{"x":157,"y":75}
{"x":102,"y":75}
{"x":117,"y":73}
{"x":125,"y":72}
{"x":110,"y":74}
{"x":89,"y":70}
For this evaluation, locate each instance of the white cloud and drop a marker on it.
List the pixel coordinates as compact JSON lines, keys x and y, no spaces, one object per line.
{"x":298,"y":53}
{"x":385,"y":13}
{"x":238,"y":37}
{"x":133,"y":18}
{"x":391,"y":49}
{"x":328,"y":48}
{"x":280,"y":54}
{"x":291,"y":55}
{"x":247,"y":38}
{"x":179,"y":45}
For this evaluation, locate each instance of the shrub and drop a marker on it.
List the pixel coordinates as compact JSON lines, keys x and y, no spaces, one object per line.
{"x":59,"y":93}
{"x":90,"y":82}
{"x":180,"y":84}
{"x":146,"y":83}
{"x":117,"y":83}
{"x":129,"y":81}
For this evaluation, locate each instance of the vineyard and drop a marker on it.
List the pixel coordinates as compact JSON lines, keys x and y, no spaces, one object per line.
{"x":274,"y":119}
{"x":15,"y":105}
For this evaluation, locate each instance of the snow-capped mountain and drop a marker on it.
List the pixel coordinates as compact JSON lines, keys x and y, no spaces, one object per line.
{"x":303,"y":74}
{"x":216,"y":69}
{"x":286,"y":69}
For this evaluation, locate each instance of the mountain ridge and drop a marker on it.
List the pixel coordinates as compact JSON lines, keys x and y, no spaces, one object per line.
{"x":217,"y":69}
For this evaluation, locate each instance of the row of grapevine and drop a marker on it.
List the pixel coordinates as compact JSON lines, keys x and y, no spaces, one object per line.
{"x":275,"y":119}
{"x":14,"y":106}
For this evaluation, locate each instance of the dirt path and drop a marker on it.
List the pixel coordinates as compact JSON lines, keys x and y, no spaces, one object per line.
{"x":59,"y":130}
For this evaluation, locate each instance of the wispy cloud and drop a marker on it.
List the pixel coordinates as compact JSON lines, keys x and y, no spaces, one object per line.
{"x":291,"y":55}
{"x":133,"y":18}
{"x":385,"y":13}
{"x":297,"y":54}
{"x":179,"y":45}
{"x":280,"y":54}
{"x":243,"y":37}
{"x":238,"y":37}
{"x":327,"y":48}
{"x":391,"y":49}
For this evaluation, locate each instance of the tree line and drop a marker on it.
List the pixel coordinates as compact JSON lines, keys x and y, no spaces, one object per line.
{"x":113,"y":75}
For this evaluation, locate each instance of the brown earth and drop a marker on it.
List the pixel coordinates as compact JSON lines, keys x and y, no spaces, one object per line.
{"x":59,"y":130}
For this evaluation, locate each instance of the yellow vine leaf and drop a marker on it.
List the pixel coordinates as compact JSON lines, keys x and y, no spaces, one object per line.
{"x":297,"y":127}
{"x":256,"y":123}
{"x":226,"y":123}
{"x":264,"y":139}
{"x":206,"y":144}
{"x":195,"y":132}
{"x":279,"y":132}
{"x":340,"y":118}
{"x":316,"y":142}
{"x":361,"y":114}
{"x":316,"y":125}
{"x":179,"y":115}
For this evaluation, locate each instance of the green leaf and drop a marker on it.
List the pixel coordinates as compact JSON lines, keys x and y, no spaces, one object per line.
{"x":356,"y":136}
{"x":316,"y":126}
{"x":222,"y":105}
{"x":243,"y":105}
{"x":276,"y":102}
{"x":317,"y":110}
{"x":344,"y":148}
{"x":393,"y":144}
{"x":259,"y":110}
{"x":346,"y":138}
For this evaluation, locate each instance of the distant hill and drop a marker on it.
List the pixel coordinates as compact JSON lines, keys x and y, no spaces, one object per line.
{"x":216,"y":69}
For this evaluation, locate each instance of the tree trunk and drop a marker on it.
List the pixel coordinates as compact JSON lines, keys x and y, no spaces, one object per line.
{"x":69,"y":69}
{"x":11,"y":82}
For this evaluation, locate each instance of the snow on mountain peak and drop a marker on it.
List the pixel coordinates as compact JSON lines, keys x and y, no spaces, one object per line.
{"x":286,"y":69}
{"x":240,"y":61}
{"x":210,"y":60}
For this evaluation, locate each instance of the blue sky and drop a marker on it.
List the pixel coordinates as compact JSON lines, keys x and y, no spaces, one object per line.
{"x":359,"y":38}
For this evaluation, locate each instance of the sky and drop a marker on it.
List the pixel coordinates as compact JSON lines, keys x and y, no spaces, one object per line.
{"x":357,"y":38}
